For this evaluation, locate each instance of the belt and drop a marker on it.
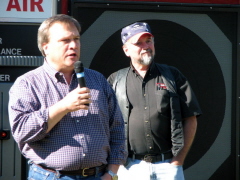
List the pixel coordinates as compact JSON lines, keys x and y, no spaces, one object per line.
{"x":152,"y":158}
{"x":83,"y":172}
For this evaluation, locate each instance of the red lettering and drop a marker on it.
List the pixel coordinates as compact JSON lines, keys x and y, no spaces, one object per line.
{"x":37,"y":4}
{"x":24,"y":5}
{"x":13,"y":4}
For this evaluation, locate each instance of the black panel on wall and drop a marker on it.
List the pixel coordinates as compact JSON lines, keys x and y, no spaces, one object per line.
{"x":197,"y":57}
{"x":182,"y":53}
{"x":18,"y":40}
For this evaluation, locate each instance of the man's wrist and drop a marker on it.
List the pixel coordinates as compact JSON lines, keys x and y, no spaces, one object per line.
{"x":113,"y":175}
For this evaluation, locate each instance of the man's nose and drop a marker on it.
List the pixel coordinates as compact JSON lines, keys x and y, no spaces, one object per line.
{"x":145,"y":45}
{"x":73,"y":44}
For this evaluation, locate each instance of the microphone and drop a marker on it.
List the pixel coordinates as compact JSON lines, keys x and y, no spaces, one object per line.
{"x":79,"y":70}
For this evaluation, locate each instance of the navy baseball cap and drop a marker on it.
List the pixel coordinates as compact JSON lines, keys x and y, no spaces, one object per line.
{"x":135,"y":31}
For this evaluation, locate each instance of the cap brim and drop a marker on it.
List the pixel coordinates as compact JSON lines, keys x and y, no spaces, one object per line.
{"x":136,"y":37}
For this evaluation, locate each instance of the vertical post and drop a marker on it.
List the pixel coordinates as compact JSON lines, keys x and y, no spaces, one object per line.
{"x":238,"y":101}
{"x":64,"y":6}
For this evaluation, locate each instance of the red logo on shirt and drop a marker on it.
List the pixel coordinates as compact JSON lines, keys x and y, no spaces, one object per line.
{"x":161,"y":86}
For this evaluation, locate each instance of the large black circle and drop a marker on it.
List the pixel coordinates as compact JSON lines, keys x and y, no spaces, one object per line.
{"x":180,"y":47}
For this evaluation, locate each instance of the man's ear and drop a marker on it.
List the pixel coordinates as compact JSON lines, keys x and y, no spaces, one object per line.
{"x":45,"y":48}
{"x":125,"y":49}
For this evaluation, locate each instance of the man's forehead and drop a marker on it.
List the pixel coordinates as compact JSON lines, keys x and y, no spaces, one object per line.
{"x":62,"y":29}
{"x":141,"y":38}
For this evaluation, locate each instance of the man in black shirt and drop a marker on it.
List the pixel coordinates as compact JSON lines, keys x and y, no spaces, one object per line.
{"x":159,"y":110}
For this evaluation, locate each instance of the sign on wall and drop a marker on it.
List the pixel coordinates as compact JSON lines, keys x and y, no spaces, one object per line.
{"x":26,"y":10}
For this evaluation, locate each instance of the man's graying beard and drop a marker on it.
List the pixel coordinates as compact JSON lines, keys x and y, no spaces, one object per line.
{"x":147,"y":59}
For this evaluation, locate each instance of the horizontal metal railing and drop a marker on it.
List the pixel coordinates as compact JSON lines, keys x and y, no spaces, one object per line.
{"x":21,"y":60}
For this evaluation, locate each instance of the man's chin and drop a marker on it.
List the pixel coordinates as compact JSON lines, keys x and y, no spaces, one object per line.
{"x":147,"y":61}
{"x":73,"y":59}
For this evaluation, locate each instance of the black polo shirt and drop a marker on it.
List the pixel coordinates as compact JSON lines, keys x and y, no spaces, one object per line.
{"x":150,"y":116}
{"x":149,"y":120}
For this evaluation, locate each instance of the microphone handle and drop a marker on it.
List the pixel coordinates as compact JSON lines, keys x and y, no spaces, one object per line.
{"x":82,"y":82}
{"x":81,"y":79}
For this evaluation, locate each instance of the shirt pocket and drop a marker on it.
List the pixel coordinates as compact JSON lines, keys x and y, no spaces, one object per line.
{"x":163,"y":102}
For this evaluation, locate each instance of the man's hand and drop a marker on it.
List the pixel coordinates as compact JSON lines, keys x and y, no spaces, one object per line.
{"x":73,"y":101}
{"x":106,"y":176}
{"x":114,"y":168}
{"x":189,"y":130}
{"x":77,"y":99}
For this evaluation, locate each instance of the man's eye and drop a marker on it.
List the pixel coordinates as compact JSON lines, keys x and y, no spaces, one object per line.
{"x":148,"y":42}
{"x":65,"y":40}
{"x":138,"y":43}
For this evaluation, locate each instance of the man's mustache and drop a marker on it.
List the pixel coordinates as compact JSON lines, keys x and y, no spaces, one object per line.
{"x":147,"y":50}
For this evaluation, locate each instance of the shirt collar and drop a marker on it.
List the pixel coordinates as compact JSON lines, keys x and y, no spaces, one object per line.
{"x":150,"y":69}
{"x":53,"y":73}
{"x":50,"y":70}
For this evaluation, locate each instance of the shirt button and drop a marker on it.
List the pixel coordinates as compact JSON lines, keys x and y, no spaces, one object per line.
{"x":148,"y":135}
{"x":145,"y":108}
{"x":146,"y":121}
{"x":77,"y":120}
{"x":84,"y":154}
{"x":144,"y":95}
{"x":150,"y":147}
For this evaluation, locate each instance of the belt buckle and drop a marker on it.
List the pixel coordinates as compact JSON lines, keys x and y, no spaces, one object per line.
{"x":148,"y":158}
{"x":83,"y":172}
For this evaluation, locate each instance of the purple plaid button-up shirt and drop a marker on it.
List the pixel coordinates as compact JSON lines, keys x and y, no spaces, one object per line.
{"x":84,"y":138}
